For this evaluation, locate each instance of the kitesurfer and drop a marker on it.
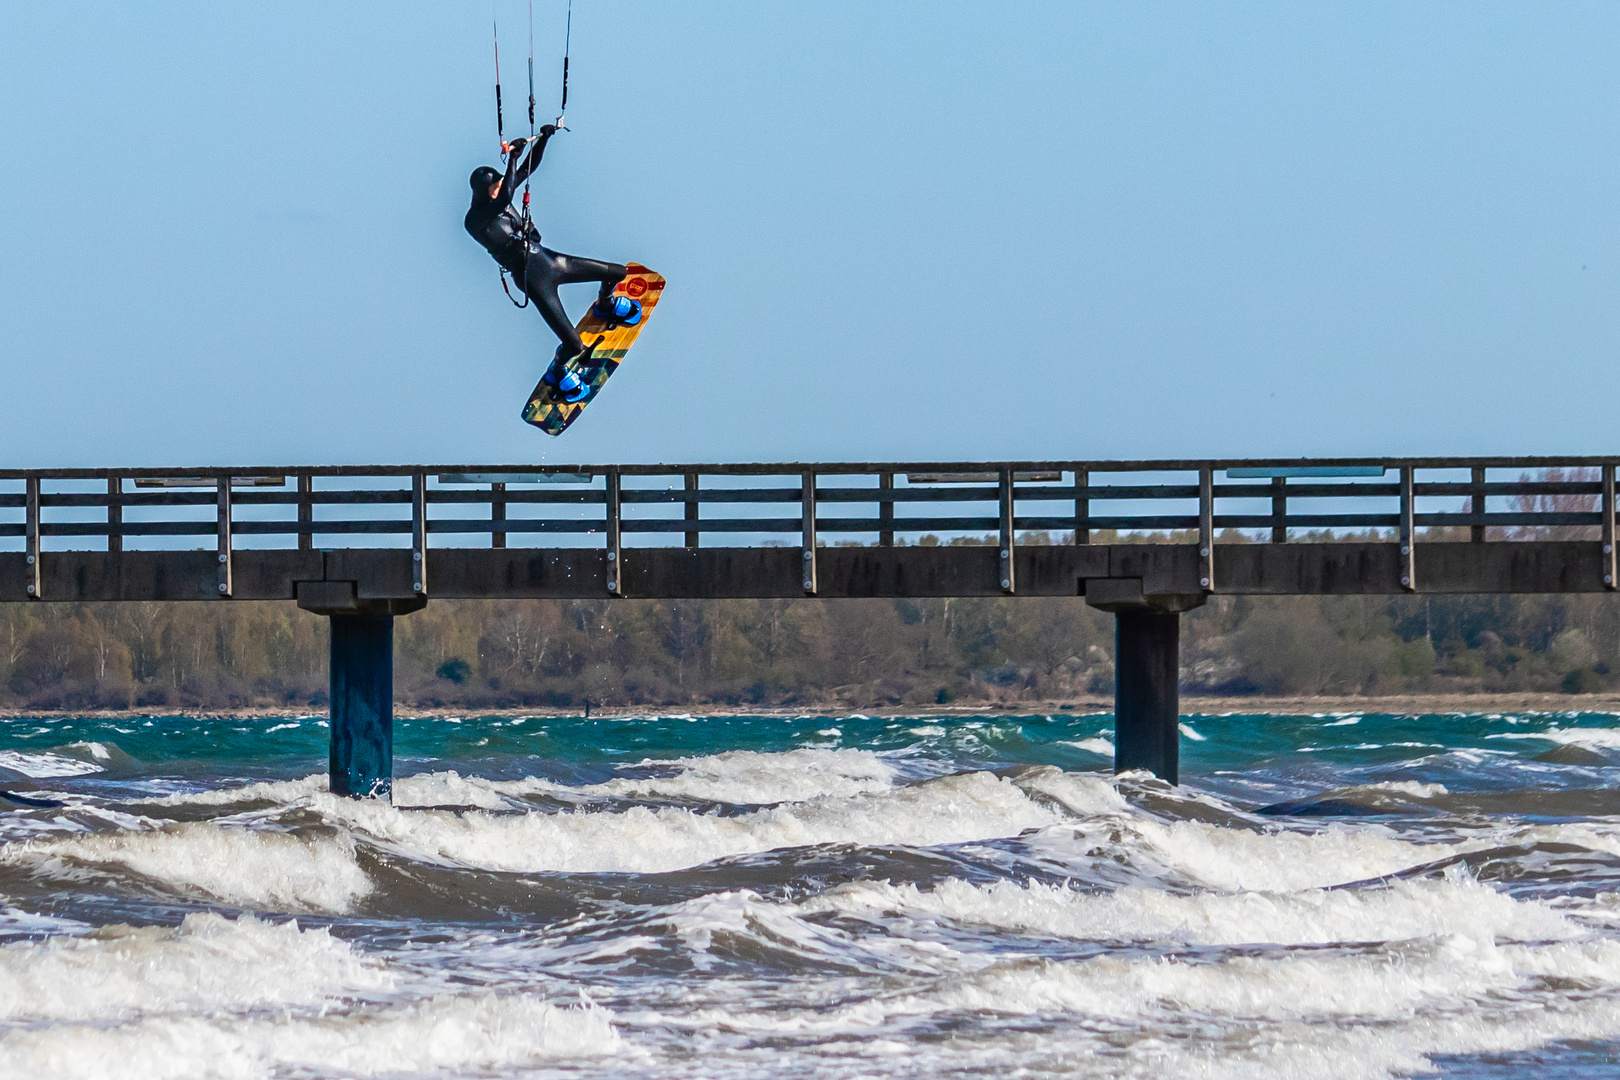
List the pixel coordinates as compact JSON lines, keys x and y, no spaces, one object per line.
{"x":514,"y":243}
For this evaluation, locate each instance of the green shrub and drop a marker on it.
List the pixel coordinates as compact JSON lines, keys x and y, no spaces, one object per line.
{"x":1584,"y":681}
{"x":454,"y":670}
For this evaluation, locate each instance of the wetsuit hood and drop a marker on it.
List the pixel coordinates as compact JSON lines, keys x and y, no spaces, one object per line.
{"x":482,"y":179}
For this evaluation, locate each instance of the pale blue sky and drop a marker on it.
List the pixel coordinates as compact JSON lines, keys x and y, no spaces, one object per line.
{"x":892,"y":231}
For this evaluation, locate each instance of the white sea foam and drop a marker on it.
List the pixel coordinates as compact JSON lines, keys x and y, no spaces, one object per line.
{"x":1228,"y":858}
{"x":41,"y":766}
{"x":1070,"y":815}
{"x":277,"y":791}
{"x":953,"y":809}
{"x":738,"y":777}
{"x":853,"y":802}
{"x":447,"y":788}
{"x":1233,"y":859}
{"x":1416,"y":999}
{"x":1187,"y":730}
{"x":248,"y":868}
{"x":1592,"y":835}
{"x":476,"y":1033}
{"x":742,"y":916}
{"x":1405,"y":787}
{"x":1099,"y":746}
{"x":452,"y":789}
{"x":207,"y":963}
{"x":1398,"y":981}
{"x":97,"y":751}
{"x":1607,"y":738}
{"x":751,"y":777}
{"x":744,"y":777}
{"x":15,"y":922}
{"x":1081,"y":794}
{"x":1407,"y":909}
{"x":1364,"y":1014}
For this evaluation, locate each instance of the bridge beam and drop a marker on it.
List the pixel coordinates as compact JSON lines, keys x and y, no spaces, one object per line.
{"x":1147,"y":672}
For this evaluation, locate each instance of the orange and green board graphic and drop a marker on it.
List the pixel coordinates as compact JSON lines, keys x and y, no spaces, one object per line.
{"x":553,"y":415}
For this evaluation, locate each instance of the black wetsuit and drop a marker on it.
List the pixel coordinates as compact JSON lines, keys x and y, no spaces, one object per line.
{"x":538,"y":270}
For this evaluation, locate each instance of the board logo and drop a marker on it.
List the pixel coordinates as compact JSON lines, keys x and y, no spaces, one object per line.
{"x":636,"y":288}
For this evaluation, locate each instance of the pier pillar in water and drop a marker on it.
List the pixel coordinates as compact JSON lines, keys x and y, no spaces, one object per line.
{"x":362,"y":674}
{"x":1147,"y":671}
{"x":1147,"y":697}
{"x":362,"y":685}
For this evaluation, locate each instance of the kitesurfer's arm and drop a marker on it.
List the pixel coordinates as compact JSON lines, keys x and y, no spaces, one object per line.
{"x":500,"y":195}
{"x":515,"y":173}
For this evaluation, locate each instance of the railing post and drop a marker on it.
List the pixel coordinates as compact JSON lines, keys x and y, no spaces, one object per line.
{"x":306,"y":513}
{"x":615,"y":561}
{"x":115,"y":513}
{"x":419,"y":523}
{"x":1005,"y":491}
{"x":807,"y":537}
{"x":1408,"y":533}
{"x":223,"y":534}
{"x":1279,"y":510}
{"x":691,"y":511}
{"x":1082,"y":507}
{"x":885,"y":510}
{"x":31,"y":534}
{"x":1476,"y":533}
{"x":497,"y":515}
{"x":1608,"y":526}
{"x":1206,"y":528}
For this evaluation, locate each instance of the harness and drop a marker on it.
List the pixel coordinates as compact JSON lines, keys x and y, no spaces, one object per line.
{"x":522,"y":243}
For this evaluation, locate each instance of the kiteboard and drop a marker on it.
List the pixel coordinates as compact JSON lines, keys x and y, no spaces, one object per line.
{"x":546,"y":409}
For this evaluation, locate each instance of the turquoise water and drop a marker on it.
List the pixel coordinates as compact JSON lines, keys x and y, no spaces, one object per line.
{"x":670,"y":896}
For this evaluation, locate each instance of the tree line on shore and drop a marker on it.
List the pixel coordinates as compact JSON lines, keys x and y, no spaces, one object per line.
{"x":850,"y":653}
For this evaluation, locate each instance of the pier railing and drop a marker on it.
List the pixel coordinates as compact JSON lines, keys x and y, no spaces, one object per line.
{"x":1013,"y":505}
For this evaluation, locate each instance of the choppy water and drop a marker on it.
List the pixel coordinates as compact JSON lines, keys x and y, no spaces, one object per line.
{"x":821,"y":896}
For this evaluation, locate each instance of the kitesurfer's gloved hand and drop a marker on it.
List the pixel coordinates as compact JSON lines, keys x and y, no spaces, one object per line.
{"x":516,"y":145}
{"x":548,"y":130}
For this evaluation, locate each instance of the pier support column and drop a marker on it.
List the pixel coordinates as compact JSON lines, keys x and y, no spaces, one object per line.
{"x":362,"y":683}
{"x":362,"y":674}
{"x":1147,"y":697}
{"x":1147,"y":672}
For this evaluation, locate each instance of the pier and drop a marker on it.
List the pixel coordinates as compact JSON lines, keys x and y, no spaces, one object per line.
{"x":1145,"y":540}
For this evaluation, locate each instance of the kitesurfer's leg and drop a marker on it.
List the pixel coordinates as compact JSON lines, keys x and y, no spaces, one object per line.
{"x":619,"y":309}
{"x":540,"y":281}
{"x":541,"y":276}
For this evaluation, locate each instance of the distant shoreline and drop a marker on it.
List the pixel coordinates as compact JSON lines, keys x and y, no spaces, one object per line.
{"x":1191,"y":705}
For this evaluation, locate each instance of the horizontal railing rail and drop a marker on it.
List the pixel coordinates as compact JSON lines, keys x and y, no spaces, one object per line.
{"x":786,"y":469}
{"x":1147,"y":523}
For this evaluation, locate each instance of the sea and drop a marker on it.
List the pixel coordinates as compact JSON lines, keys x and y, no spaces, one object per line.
{"x":670,"y":896}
